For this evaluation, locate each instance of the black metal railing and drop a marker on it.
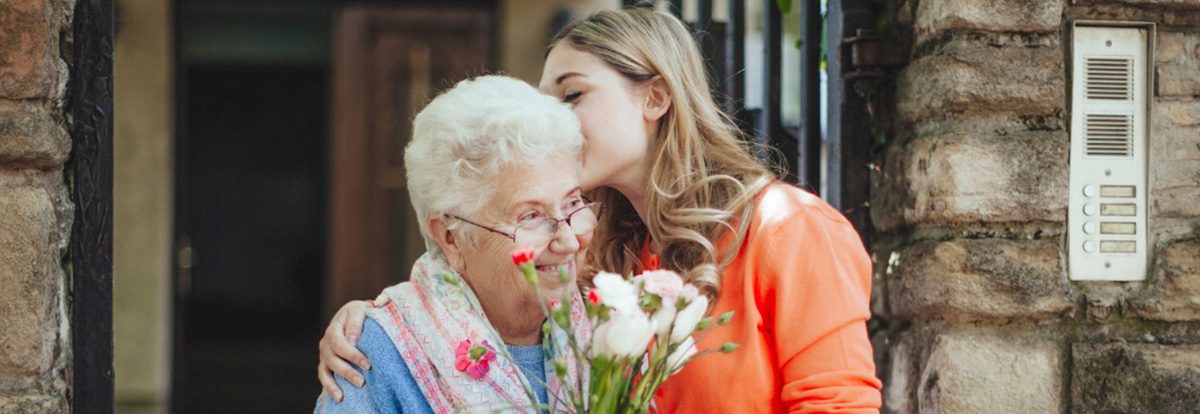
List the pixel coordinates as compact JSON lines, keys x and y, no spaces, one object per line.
{"x":794,"y":148}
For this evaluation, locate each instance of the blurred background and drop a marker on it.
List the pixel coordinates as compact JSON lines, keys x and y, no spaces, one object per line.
{"x":259,"y":182}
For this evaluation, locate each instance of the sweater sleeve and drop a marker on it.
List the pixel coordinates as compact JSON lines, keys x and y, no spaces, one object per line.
{"x":390,"y":387}
{"x":816,"y":283}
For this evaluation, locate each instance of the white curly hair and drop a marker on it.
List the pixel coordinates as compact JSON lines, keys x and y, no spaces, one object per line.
{"x":468,"y":134}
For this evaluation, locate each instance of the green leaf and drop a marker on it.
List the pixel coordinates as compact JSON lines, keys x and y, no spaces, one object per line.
{"x":449,"y":278}
{"x":785,"y":6}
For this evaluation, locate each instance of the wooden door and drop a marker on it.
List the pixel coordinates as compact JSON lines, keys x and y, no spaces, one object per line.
{"x":388,"y":62}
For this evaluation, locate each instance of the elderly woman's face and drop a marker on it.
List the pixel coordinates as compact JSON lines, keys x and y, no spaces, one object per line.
{"x":549,"y":189}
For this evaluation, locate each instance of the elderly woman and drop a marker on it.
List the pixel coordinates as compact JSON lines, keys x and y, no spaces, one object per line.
{"x":492,"y":166}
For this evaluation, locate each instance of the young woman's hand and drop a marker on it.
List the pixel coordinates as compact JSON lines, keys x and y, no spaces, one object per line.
{"x":338,"y":346}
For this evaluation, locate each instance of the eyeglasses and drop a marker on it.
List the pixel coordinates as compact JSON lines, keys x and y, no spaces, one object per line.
{"x":539,"y":232}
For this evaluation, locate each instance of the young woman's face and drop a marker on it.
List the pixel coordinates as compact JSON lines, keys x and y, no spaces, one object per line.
{"x":610,"y":110}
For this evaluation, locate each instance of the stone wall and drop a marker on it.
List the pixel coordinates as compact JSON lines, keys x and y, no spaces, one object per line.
{"x":974,"y":309}
{"x":35,"y":210}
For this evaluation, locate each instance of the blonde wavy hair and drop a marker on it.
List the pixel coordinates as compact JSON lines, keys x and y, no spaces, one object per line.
{"x":703,"y":179}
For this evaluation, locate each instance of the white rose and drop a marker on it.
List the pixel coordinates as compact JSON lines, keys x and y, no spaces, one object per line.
{"x":615,"y":292}
{"x":628,"y":333}
{"x":600,"y":340}
{"x":685,"y":350}
{"x":663,"y":317}
{"x":685,"y":322}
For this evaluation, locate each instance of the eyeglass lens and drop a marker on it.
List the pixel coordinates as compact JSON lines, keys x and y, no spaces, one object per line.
{"x":580,"y":222}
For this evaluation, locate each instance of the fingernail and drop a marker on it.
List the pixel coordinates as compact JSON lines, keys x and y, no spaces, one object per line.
{"x":365,"y":365}
{"x":337,"y":396}
{"x":359,"y":381}
{"x":354,"y":339}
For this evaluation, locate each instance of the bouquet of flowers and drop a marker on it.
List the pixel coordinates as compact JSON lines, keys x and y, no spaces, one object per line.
{"x":642,"y":333}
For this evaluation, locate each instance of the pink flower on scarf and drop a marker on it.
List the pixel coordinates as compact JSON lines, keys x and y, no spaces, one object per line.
{"x":474,"y":359}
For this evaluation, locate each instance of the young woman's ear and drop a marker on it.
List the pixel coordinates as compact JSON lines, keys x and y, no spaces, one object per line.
{"x":451,"y":245}
{"x":657,"y":99}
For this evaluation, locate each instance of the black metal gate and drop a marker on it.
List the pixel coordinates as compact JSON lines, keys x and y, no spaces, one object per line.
{"x":834,"y":166}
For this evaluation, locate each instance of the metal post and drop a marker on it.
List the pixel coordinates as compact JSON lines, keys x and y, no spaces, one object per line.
{"x":677,"y":8}
{"x":707,"y":32}
{"x":91,"y":165}
{"x":771,"y":123}
{"x":810,"y":95}
{"x":848,"y":133}
{"x":735,"y":64}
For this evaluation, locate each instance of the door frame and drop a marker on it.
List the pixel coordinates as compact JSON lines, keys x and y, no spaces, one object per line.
{"x":357,"y":230}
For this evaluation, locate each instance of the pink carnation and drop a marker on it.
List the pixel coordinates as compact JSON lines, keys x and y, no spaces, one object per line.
{"x":664,"y":283}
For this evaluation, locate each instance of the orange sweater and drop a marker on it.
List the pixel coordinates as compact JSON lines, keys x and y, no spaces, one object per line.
{"x":801,"y":288}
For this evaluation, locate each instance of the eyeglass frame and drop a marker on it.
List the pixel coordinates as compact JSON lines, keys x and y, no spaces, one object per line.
{"x":554,"y":230}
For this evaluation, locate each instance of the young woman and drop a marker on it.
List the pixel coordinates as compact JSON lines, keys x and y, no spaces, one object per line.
{"x":684,"y":193}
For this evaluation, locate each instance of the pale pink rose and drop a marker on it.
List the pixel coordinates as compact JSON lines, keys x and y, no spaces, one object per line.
{"x":664,"y":283}
{"x":685,"y":322}
{"x":689,"y":292}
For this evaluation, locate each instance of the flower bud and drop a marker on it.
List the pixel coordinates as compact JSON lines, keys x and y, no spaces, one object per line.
{"x":729,"y":347}
{"x":724,"y":318}
{"x":560,"y":368}
{"x":561,"y":315}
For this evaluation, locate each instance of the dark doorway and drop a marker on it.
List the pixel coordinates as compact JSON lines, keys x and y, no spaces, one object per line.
{"x":252,"y":206}
{"x":255,"y":190}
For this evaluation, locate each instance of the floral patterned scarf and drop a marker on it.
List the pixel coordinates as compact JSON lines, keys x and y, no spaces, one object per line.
{"x":432,"y":314}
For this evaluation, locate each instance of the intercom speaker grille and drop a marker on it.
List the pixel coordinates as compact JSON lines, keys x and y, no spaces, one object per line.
{"x":1109,"y":78}
{"x":1109,"y":135}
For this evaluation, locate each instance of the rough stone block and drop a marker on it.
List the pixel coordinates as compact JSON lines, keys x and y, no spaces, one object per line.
{"x":1170,"y":4}
{"x":900,"y":372}
{"x":1178,"y":64}
{"x":31,"y":279}
{"x":971,"y":76}
{"x":981,"y":374}
{"x":936,"y":17}
{"x":34,"y":404}
{"x":1177,"y":297}
{"x":975,"y":279}
{"x":30,"y":136}
{"x":1135,"y":378}
{"x":1175,"y":159}
{"x":967,"y":173}
{"x":29,"y":63}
